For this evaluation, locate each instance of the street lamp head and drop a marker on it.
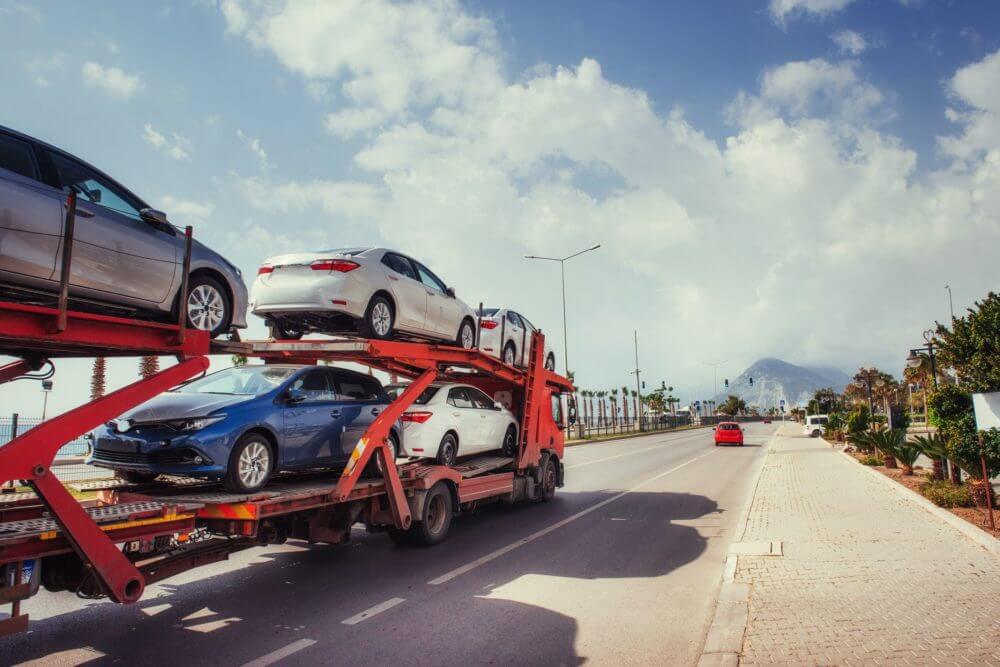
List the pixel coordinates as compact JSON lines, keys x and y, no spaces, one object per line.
{"x":914,"y":360}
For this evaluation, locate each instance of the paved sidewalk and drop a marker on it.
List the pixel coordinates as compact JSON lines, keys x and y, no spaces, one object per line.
{"x":867,"y":577}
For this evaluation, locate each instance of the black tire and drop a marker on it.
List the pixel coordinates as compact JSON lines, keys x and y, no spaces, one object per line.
{"x":380,"y":318}
{"x":448,"y":450}
{"x":509,"y":356}
{"x":373,"y":469}
{"x":281,"y":330}
{"x":509,"y":447}
{"x":208,"y":305}
{"x":435,"y":519}
{"x":466,"y":338}
{"x":136,"y":477}
{"x":547,"y":489}
{"x":254,"y":444}
{"x":550,"y":363}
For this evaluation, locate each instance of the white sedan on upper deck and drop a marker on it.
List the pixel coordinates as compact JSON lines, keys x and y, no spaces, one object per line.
{"x":375,"y":291}
{"x":507,"y":335}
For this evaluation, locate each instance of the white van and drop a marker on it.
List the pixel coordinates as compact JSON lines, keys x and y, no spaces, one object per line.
{"x":815,"y":425}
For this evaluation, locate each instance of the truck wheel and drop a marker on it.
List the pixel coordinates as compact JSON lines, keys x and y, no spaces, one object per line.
{"x":435,"y":518}
{"x":250,"y":464}
{"x":547,"y":489}
{"x":136,"y":477}
{"x":448,"y":450}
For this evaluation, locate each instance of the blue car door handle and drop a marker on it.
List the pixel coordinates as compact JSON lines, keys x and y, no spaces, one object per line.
{"x":375,"y":411}
{"x":334,"y":413}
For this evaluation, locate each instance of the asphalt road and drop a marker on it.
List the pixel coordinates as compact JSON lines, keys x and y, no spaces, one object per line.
{"x":623,"y":567}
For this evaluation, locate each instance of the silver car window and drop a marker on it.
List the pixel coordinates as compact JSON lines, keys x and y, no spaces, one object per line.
{"x":428,"y":278}
{"x":17,"y":156}
{"x":91,"y":187}
{"x":513,"y":318}
{"x":480,"y":400}
{"x":399,"y":264}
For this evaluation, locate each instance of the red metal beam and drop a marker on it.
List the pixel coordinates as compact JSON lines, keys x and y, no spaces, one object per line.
{"x":30,"y":330}
{"x":29,"y":457}
{"x":377,"y":435}
{"x":14,"y":370}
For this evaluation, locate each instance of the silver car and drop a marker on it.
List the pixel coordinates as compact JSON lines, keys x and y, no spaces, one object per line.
{"x":378,"y":292}
{"x":506,"y":334}
{"x":126,"y":255}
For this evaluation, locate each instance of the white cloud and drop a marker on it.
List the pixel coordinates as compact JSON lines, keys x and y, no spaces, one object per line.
{"x":810,"y":87}
{"x":976,"y":89}
{"x":112,"y":80}
{"x":255,"y":147}
{"x":782,"y":9}
{"x":809,"y":226}
{"x":176,"y":147}
{"x":850,"y":41}
{"x":349,"y":122}
{"x":179,"y":209}
{"x":388,"y":56}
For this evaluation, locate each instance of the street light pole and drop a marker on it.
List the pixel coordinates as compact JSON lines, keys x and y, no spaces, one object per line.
{"x":951,"y":305}
{"x":562,"y":272}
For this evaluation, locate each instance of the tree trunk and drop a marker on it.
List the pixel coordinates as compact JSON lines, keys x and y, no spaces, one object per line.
{"x":907,"y":470}
{"x":938,"y":468}
{"x":889,"y":461}
{"x":956,"y":472}
{"x":982,"y":492}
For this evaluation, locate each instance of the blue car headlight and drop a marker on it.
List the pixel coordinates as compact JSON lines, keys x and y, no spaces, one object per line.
{"x":194,"y":423}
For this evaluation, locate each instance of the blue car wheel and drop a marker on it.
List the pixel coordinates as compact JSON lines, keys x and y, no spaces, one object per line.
{"x":250,"y":464}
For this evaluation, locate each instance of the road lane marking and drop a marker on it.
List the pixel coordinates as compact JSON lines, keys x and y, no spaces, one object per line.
{"x":459,"y":571}
{"x":281,"y":653}
{"x":372,"y":611}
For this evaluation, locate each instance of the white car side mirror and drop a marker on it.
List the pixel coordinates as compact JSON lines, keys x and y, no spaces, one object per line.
{"x":497,"y":405}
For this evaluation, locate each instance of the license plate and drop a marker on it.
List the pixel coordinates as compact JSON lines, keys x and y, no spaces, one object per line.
{"x":118,"y":445}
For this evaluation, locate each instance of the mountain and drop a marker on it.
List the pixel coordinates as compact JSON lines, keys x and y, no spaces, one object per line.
{"x":775,"y":380}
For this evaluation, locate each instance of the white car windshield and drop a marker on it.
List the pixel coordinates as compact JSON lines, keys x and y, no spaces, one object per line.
{"x":242,"y":381}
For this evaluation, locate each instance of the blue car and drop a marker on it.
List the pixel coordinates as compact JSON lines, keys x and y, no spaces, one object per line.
{"x":243,"y":424}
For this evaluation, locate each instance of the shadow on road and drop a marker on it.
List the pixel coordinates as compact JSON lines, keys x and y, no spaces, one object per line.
{"x":280,"y":595}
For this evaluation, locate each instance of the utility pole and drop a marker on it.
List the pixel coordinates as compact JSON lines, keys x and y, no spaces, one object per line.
{"x":715,"y":375}
{"x":951,"y":305}
{"x":638,"y":384}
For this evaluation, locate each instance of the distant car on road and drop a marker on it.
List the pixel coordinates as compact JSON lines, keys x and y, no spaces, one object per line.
{"x":126,"y":255}
{"x":451,"y":420}
{"x":815,"y":425}
{"x":506,"y":334}
{"x":244,"y":424}
{"x":767,"y":420}
{"x":378,"y":292}
{"x":728,"y":433}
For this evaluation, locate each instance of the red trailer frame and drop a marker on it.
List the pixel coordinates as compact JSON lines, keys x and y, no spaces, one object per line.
{"x":55,"y":523}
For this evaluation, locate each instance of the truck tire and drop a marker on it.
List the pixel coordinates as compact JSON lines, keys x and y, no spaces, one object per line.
{"x":435,"y":519}
{"x":547,"y":488}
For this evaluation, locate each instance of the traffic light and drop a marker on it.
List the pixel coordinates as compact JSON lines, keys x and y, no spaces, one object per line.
{"x":751,"y":382}
{"x":727,"y":383}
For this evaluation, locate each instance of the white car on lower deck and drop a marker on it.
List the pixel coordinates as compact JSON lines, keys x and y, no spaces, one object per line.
{"x":378,"y":292}
{"x":449,"y":420}
{"x":506,"y":335}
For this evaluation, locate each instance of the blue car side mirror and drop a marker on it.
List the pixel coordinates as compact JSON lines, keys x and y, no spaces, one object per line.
{"x":296,"y":396}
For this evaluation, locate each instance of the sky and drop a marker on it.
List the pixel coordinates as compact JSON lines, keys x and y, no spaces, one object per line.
{"x":767,"y":178}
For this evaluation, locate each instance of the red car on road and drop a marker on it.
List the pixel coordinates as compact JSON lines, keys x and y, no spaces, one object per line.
{"x":728,"y":433}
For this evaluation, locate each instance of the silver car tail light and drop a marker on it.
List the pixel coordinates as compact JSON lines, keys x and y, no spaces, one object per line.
{"x":339,"y":265}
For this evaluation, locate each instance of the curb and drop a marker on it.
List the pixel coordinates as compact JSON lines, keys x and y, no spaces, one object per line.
{"x":627,"y":436}
{"x":974,"y":533}
{"x":724,"y":641}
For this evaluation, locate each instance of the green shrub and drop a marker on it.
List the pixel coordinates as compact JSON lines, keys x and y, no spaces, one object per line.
{"x":871,"y":460}
{"x":945,"y":494}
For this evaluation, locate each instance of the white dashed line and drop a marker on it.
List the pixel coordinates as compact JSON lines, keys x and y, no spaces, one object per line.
{"x":459,"y":571}
{"x":377,"y":609}
{"x":281,"y":653}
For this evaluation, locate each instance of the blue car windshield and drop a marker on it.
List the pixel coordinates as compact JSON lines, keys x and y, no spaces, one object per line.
{"x":240,"y":381}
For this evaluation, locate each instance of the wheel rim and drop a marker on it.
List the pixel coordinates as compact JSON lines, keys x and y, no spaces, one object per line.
{"x":508,"y":443}
{"x":550,"y":479}
{"x":436,"y":512}
{"x":206,"y":307}
{"x":381,"y":318}
{"x":449,"y":453}
{"x":508,"y":356}
{"x":254,"y":463}
{"x":468,"y":339}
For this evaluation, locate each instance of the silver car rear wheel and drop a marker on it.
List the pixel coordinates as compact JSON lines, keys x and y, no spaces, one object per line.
{"x":466,"y":336}
{"x":208,"y":306}
{"x":379,"y":319}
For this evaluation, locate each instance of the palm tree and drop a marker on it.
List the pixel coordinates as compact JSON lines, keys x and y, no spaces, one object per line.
{"x":934,"y":447}
{"x":907,"y":453}
{"x":149,"y":366}
{"x":887,"y":442}
{"x":600,"y":403}
{"x":586,"y":415}
{"x":624,"y":404}
{"x":99,"y":377}
{"x":635,"y":404}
